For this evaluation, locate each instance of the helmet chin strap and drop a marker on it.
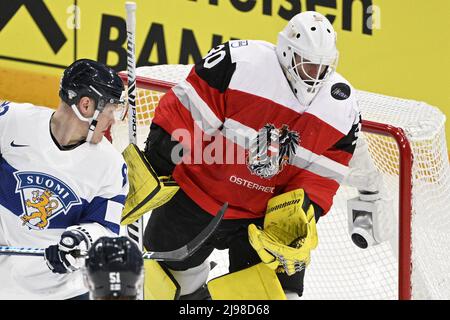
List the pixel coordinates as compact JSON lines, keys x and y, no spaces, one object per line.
{"x":92,"y":126}
{"x":92,"y":121}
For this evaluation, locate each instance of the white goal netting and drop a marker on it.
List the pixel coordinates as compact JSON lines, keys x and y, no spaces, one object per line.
{"x":339,"y":269}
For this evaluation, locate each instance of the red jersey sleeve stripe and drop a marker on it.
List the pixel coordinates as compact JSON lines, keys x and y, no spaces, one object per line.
{"x":211,"y":97}
{"x":200,"y":111}
{"x":320,"y":165}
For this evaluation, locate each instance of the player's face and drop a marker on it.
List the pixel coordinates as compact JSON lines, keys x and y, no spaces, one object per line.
{"x":308,"y":71}
{"x":104,"y":121}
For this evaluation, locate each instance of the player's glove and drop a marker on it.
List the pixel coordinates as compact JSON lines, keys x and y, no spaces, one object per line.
{"x":66,"y":256}
{"x":289,"y":232}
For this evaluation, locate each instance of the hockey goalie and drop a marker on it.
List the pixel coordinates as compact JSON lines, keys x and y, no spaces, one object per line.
{"x":269,"y":129}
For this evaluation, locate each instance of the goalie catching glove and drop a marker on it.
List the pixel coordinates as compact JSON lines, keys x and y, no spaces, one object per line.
{"x":289,"y":232}
{"x":147,"y":190}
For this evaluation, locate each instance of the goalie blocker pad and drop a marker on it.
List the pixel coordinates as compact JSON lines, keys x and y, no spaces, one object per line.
{"x":258,"y":282}
{"x":147,"y":190}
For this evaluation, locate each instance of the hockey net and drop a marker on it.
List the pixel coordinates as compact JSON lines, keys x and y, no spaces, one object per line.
{"x":407,"y":143}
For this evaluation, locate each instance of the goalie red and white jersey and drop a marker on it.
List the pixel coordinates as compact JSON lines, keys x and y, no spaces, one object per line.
{"x":44,"y":190}
{"x":256,"y":139}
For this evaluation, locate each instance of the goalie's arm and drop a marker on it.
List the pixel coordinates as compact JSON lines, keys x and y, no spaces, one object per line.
{"x":160,"y":150}
{"x":373,"y":200}
{"x":326,"y":166}
{"x":363,"y":173}
{"x":200,"y":99}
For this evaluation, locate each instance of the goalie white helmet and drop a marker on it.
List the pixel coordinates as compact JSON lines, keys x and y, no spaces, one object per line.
{"x":306,"y":49}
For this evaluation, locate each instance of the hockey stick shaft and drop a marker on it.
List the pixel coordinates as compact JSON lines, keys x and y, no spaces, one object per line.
{"x":18,"y":251}
{"x":174,"y":255}
{"x":131,"y":70}
{"x":134,"y":230}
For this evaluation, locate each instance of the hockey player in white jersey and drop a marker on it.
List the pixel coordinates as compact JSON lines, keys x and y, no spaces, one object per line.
{"x":62,"y":184}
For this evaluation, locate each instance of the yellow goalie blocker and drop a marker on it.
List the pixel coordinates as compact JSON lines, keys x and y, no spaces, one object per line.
{"x":147,"y":190}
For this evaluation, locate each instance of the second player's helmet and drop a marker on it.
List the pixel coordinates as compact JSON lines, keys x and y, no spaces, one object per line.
{"x":88,"y":78}
{"x":307,"y":52}
{"x":114,"y":269}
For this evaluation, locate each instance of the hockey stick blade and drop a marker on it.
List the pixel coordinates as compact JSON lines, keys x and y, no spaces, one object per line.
{"x":189,"y":249}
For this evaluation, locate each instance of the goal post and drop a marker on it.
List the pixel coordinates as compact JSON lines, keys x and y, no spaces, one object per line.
{"x":406,"y":140}
{"x":405,"y":201}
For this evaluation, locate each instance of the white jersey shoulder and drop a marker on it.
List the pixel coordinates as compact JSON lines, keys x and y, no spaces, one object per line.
{"x":336,"y":104}
{"x":258,"y":72}
{"x":29,"y":126}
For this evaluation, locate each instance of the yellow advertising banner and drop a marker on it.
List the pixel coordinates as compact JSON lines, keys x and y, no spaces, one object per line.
{"x":393,"y":47}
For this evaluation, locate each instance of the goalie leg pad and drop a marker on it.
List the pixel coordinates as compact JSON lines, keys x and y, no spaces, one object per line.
{"x":201,"y":293}
{"x":192,"y":279}
{"x":258,"y":282}
{"x":159,"y":283}
{"x":147,"y":190}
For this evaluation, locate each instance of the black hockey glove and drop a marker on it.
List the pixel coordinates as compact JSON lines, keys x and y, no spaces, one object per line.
{"x":66,"y":256}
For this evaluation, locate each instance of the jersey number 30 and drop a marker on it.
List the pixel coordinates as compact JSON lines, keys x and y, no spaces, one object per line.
{"x":214,"y":56}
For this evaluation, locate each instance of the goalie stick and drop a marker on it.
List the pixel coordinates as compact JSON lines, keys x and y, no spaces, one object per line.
{"x":192,"y":246}
{"x":134,"y":230}
{"x":175,"y":255}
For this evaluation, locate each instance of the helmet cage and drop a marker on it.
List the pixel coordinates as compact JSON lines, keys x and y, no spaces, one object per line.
{"x":308,"y":39}
{"x":325,"y":66}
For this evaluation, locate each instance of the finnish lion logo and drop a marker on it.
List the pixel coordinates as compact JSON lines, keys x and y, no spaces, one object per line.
{"x":44,"y":206}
